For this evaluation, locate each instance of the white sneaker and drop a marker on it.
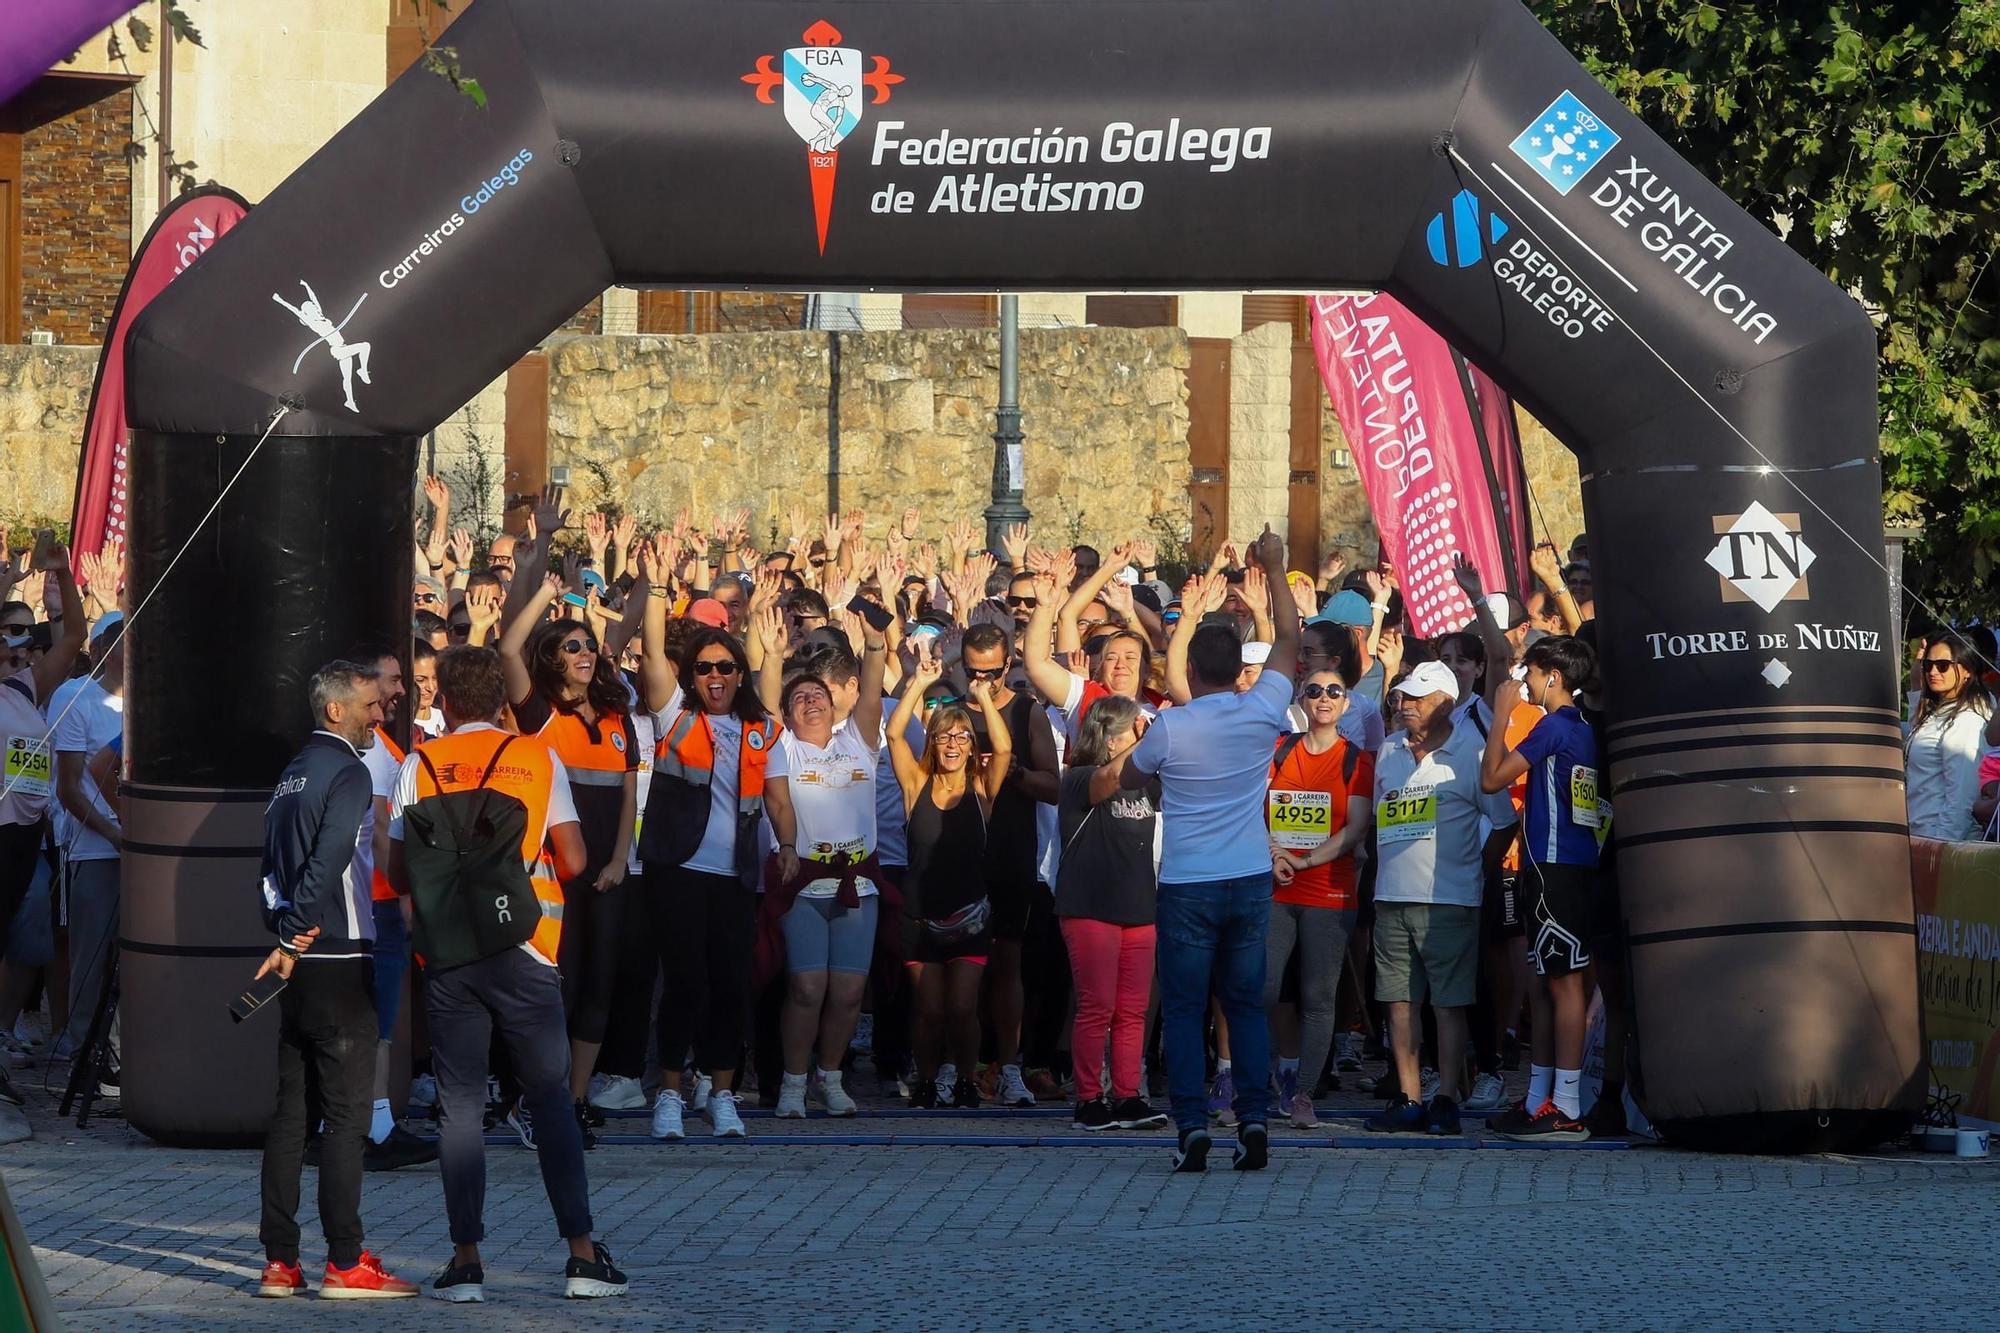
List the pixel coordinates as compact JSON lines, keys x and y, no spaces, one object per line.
{"x":667,"y":1110}
{"x":423,"y":1093}
{"x":833,"y":1096}
{"x":619,"y":1093}
{"x":1014,"y":1092}
{"x":791,"y":1100}
{"x":1487,"y":1090}
{"x":722,"y":1114}
{"x":946,"y":1083}
{"x":1427,"y":1084}
{"x":703,"y":1087}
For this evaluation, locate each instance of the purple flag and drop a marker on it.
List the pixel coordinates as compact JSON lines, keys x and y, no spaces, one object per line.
{"x":34,"y":35}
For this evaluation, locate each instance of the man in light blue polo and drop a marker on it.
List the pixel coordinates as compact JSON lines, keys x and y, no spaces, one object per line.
{"x":1213,"y":757}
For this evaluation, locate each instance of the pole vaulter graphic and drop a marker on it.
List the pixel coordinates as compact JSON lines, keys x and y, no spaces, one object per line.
{"x":1718,"y":391}
{"x":823,"y":102}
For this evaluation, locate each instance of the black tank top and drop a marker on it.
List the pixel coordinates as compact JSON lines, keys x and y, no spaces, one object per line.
{"x":947,"y":853}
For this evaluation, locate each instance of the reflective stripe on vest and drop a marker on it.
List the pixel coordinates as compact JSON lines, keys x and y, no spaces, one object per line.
{"x":525,"y":773}
{"x":379,"y":887}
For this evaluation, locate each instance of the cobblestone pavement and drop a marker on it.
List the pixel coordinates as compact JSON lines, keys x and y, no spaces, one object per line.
{"x":919,"y":1234}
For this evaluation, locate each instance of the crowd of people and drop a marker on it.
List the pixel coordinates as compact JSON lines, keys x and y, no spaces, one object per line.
{"x":672,"y":822}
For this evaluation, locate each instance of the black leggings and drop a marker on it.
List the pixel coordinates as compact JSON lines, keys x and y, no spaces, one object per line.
{"x":593,"y":925}
{"x":703,"y":927}
{"x":630,"y":1025}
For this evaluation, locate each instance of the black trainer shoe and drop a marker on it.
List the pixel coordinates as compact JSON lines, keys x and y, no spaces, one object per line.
{"x":965,"y":1095}
{"x":923,"y":1095}
{"x":1441,"y":1116}
{"x":1191,"y":1157}
{"x":1401,"y":1116}
{"x":1253,"y":1147}
{"x":589,"y":1279}
{"x":589,"y":1116}
{"x":1093,"y":1114}
{"x":583,"y":1126}
{"x":401,"y":1148}
{"x":1548,"y":1125}
{"x":1137,"y":1113}
{"x":460,"y":1283}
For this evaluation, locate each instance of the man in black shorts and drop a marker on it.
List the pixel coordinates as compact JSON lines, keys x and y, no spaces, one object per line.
{"x":1010,"y":846}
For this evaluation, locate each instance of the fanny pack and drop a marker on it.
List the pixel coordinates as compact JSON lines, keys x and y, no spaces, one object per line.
{"x":964,"y":924}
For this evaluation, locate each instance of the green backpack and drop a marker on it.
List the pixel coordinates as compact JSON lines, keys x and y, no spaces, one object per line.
{"x":471,"y":896}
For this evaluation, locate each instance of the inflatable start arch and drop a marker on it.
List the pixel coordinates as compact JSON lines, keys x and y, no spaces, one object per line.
{"x":1719,"y":392}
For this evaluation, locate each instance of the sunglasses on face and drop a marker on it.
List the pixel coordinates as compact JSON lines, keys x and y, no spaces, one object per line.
{"x":576,"y":646}
{"x":426,"y":598}
{"x":1938,"y":664}
{"x":817,"y":561}
{"x":1324,"y":692}
{"x":460,"y":630}
{"x":985,"y":673}
{"x":725,"y":667}
{"x":1030,"y":603}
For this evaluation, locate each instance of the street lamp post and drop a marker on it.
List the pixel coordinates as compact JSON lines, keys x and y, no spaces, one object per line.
{"x":1008,"y":475}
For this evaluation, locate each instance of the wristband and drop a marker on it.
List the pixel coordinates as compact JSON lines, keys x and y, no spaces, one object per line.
{"x":660,"y":592}
{"x":289,"y":952}
{"x":786,"y":847}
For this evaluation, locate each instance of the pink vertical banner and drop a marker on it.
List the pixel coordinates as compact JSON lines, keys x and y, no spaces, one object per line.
{"x":1441,"y":477}
{"x":180,"y":235}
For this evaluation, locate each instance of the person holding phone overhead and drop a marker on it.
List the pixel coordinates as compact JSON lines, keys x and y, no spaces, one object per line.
{"x":317,"y":902}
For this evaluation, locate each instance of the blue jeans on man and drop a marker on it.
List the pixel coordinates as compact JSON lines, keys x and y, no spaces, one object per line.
{"x":1212,"y":935}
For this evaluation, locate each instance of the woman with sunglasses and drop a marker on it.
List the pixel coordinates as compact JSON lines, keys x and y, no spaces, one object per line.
{"x":700,"y":851}
{"x":1945,"y":740}
{"x":949,"y":794}
{"x":1319,"y":811}
{"x":570,"y":695}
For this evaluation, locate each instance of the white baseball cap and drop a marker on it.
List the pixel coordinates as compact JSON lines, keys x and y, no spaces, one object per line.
{"x":1429,"y":678}
{"x":1256,"y":652}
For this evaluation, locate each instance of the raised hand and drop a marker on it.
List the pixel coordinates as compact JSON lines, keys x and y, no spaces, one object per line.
{"x":459,"y":548}
{"x":596,"y":534}
{"x":928,"y":669}
{"x":796,"y":526}
{"x":1378,"y":587}
{"x":1547,"y":566}
{"x":13,"y":566}
{"x":654,"y":567}
{"x":437,"y":493}
{"x":834,"y":533}
{"x":912,"y":523}
{"x":1117,"y":595}
{"x":924,"y":558}
{"x":52,"y":557}
{"x":1332,"y":568}
{"x":1145,"y":553}
{"x":767,"y":624}
{"x":980,"y":689}
{"x":1466,"y":574}
{"x":1268,"y":550}
{"x":482,"y":609}
{"x":572,"y":571}
{"x":1214,"y":592}
{"x":1389,"y":652}
{"x":1257,"y":590}
{"x":626,"y":534}
{"x":550,"y":516}
{"x":1014,"y":542}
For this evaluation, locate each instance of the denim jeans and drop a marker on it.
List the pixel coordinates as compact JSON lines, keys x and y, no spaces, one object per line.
{"x":1214,"y":933}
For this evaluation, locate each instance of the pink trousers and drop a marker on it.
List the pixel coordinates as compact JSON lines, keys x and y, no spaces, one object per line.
{"x":1113,"y":970}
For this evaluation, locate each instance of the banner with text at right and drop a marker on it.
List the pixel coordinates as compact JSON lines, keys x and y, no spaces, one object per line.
{"x":1434,"y":441}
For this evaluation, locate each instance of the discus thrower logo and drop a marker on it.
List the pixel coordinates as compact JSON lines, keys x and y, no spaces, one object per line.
{"x":1456,"y":237}
{"x":352,"y":358}
{"x":823,"y":84}
{"x":1565,"y":142}
{"x":1761,"y":557}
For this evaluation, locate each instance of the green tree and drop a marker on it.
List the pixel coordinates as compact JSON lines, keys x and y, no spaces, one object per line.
{"x":1863,"y":131}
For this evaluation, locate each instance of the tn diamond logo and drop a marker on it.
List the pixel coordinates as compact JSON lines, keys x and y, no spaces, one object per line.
{"x":1459,"y":238}
{"x":1565,"y":142}
{"x":1761,"y":557}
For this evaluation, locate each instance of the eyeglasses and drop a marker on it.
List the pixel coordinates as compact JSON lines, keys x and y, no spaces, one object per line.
{"x":576,"y":646}
{"x":817,"y":561}
{"x":1324,"y":692}
{"x":1028,"y":603}
{"x":725,"y":667}
{"x":985,"y":673}
{"x":1939,"y":664}
{"x":426,"y":598}
{"x":955,"y":739}
{"x":1090,"y":624}
{"x":460,"y":630}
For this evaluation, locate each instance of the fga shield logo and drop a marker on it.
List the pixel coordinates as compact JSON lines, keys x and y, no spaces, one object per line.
{"x":1458,"y":238}
{"x":825,"y":100}
{"x":1761,"y":557}
{"x":1565,"y":142}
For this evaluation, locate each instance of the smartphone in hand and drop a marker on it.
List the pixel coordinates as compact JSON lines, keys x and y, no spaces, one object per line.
{"x":256,"y":995}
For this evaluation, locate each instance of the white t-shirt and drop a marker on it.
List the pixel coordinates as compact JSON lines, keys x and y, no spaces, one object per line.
{"x":1212,"y":756}
{"x":717,"y":853}
{"x":833,"y":798}
{"x":1431,"y":822}
{"x":383,"y":770}
{"x":94,"y":720}
{"x":646,"y":732}
{"x":431,"y":724}
{"x":28,"y":782}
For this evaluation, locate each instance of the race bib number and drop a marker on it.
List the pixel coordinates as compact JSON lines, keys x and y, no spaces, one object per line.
{"x":828,"y":851}
{"x":1300,"y":820}
{"x":30,"y":767}
{"x":1407,"y":817}
{"x":1583,"y":803}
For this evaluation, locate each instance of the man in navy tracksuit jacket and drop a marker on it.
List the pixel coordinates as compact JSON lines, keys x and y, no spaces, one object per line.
{"x":316,"y":901}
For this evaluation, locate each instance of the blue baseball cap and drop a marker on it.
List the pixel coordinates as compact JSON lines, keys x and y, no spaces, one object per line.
{"x":1346,"y":608}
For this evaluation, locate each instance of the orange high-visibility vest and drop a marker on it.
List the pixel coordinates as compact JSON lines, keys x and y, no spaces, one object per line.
{"x":526,"y":773}
{"x":379,"y":887}
{"x":687,"y":752}
{"x":678,"y":800}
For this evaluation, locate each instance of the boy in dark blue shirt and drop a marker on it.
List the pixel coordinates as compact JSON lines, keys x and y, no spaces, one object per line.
{"x":1560,"y":829}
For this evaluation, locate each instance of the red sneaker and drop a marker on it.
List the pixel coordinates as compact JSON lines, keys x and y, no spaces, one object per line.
{"x":364,"y":1282}
{"x":281,"y":1279}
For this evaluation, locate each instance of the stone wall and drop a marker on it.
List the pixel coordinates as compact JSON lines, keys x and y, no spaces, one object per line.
{"x":1260,"y":430}
{"x":656,"y":423}
{"x":76,"y":220}
{"x":44,"y":398}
